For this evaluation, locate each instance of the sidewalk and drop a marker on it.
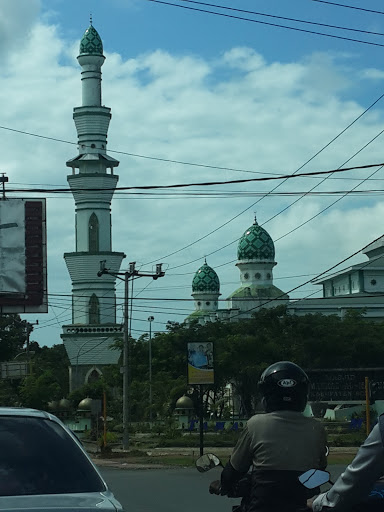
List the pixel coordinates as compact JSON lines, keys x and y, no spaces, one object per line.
{"x":223,"y":453}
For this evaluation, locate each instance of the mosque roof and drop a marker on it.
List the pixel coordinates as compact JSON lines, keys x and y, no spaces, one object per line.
{"x":259,"y":292}
{"x":91,"y":42}
{"x":206,"y":280}
{"x":256,"y":244}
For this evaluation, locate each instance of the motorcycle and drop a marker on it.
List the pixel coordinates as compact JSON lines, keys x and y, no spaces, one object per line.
{"x":311,"y":479}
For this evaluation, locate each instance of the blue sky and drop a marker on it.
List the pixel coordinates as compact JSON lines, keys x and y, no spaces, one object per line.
{"x":206,"y":89}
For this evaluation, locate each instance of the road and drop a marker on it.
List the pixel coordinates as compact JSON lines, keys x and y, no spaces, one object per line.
{"x":170,"y":490}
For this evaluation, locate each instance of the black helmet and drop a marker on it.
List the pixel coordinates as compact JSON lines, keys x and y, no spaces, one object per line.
{"x":284,"y":386}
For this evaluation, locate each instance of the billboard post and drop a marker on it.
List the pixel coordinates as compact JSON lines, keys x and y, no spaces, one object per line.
{"x":200,"y":372}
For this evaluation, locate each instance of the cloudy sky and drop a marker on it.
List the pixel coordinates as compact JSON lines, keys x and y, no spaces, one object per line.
{"x":207,"y":89}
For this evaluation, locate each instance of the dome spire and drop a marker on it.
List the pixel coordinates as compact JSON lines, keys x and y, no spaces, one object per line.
{"x":255,"y":223}
{"x":90,"y":18}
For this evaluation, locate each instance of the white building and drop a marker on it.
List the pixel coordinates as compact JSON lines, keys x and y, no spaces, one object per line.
{"x":93,"y":329}
{"x":256,"y":259}
{"x":359,"y":287}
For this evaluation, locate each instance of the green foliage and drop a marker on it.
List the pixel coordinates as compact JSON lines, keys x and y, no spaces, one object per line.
{"x":12,"y":336}
{"x":36,"y":391}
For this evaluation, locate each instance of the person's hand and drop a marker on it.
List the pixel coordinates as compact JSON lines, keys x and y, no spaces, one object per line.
{"x":215,"y":487}
{"x":310,"y":502}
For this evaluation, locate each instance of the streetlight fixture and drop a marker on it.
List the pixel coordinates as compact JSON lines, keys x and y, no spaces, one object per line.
{"x":132,"y":272}
{"x":150,"y":320}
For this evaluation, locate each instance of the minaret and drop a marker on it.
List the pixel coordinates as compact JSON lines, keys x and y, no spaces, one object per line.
{"x":206,"y":293}
{"x":93,"y":329}
{"x":256,"y":259}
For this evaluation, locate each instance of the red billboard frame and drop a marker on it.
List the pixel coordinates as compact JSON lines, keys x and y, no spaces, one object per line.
{"x":34,"y":300}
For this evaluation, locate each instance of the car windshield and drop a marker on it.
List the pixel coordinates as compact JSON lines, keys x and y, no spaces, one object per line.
{"x":37,"y":456}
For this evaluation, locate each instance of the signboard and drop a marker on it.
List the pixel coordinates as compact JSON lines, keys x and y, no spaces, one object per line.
{"x":23,"y":256}
{"x":345,"y":384}
{"x":14,"y":369}
{"x":200,"y":363}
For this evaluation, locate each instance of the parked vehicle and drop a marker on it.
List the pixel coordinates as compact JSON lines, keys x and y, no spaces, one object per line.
{"x":44,"y":467}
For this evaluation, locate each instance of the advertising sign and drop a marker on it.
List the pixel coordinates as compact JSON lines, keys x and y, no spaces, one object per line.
{"x":23,"y":256}
{"x":200,"y":363}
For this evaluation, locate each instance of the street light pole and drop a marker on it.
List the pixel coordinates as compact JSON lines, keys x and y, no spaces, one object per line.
{"x":150,"y":320}
{"x":132,"y":272}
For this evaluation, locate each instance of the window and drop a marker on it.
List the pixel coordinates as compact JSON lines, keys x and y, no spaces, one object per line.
{"x":208,"y":303}
{"x":373,"y":282}
{"x":268,"y":276}
{"x":39,"y":457}
{"x":94,"y":310}
{"x":257,"y":275}
{"x":246,"y":275}
{"x":93,"y":233}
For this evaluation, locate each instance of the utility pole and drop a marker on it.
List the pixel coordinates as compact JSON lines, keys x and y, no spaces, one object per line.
{"x":28,"y":330}
{"x":132,"y":272}
{"x":150,"y":320}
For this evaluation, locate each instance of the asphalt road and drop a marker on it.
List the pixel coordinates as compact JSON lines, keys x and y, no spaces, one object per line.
{"x":171,"y":490}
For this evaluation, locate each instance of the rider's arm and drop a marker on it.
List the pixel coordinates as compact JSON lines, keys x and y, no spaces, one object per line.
{"x":357,"y":480}
{"x":238,"y":466}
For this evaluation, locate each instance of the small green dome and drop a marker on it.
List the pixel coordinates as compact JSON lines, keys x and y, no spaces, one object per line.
{"x":206,"y":280}
{"x":256,"y":244}
{"x":91,"y":42}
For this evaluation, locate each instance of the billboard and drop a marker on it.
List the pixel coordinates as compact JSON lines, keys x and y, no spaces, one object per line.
{"x":345,"y":384}
{"x":23,"y":256}
{"x":200,"y":363}
{"x":14,"y":369}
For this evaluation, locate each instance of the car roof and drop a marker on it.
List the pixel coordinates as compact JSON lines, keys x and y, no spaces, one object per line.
{"x":24,"y":411}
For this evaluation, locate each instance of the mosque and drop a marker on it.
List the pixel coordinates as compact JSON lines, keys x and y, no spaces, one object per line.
{"x":93,"y":329}
{"x":359,"y":287}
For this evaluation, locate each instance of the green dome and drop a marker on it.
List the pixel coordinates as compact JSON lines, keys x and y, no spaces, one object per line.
{"x":256,"y":244}
{"x":91,"y":42}
{"x":206,"y":280}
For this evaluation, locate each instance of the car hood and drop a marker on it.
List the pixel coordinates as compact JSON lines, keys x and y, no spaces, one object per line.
{"x":81,"y":502}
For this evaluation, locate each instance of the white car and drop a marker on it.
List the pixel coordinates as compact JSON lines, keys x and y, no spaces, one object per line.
{"x":44,"y":468}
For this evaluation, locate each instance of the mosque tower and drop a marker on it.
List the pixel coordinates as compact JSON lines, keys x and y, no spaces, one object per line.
{"x":256,"y":259}
{"x":206,"y":292}
{"x":93,"y":329}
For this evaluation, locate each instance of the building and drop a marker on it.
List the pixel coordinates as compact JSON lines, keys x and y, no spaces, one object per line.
{"x":255,"y":261}
{"x":359,"y":287}
{"x":93,"y":329}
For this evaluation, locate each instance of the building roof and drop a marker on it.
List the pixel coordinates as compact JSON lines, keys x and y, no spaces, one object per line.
{"x":259,"y":291}
{"x":256,"y":244}
{"x":206,"y":280}
{"x":91,"y":42}
{"x":91,"y":351}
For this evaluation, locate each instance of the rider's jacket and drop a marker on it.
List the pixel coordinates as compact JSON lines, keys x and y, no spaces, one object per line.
{"x":355,"y":483}
{"x":279,"y":446}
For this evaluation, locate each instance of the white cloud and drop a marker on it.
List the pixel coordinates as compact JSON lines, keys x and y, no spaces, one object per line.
{"x":236,"y":110}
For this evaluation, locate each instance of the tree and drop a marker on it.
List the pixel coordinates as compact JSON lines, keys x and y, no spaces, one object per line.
{"x":12,"y":336}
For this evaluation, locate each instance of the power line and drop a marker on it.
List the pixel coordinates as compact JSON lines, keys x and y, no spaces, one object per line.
{"x":198,"y":184}
{"x":285,"y":18}
{"x":323,"y":148}
{"x":241,"y":18}
{"x":349,"y":6}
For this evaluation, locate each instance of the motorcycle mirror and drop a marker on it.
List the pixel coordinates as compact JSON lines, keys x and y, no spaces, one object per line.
{"x":207,"y":462}
{"x":314,"y":478}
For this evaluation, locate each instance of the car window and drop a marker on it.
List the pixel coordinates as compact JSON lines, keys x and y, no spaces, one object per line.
{"x":37,"y":456}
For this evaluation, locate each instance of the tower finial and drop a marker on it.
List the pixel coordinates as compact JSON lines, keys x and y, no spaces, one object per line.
{"x":255,"y":218}
{"x":205,"y":260}
{"x":90,"y":18}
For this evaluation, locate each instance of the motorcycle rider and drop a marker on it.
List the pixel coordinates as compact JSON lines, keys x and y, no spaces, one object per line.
{"x":279,"y":445}
{"x":353,"y":486}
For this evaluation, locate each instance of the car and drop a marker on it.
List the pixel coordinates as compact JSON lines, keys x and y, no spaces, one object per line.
{"x":43,"y":467}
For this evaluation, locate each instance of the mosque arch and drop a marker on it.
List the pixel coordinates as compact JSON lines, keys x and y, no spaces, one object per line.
{"x":92,"y":375}
{"x":93,"y":233}
{"x":94,"y":310}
